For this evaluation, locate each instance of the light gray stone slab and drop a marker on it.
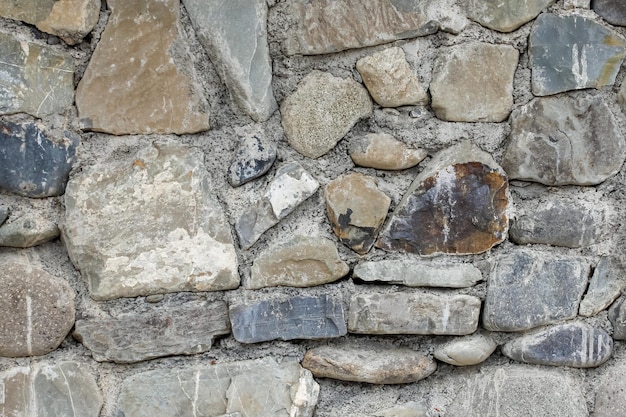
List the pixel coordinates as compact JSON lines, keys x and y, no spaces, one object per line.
{"x":505,"y":16}
{"x":467,"y":350}
{"x":617,"y":316}
{"x":27,"y":229}
{"x":383,"y":151}
{"x":610,"y":398}
{"x":607,"y":282}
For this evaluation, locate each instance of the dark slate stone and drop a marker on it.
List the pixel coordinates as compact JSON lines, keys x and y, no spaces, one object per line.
{"x":31,"y":163}
{"x":293,"y":318}
{"x":617,"y":315}
{"x":253,"y":158}
{"x":572,"y":53}
{"x":613,"y":11}
{"x":4,"y":214}
{"x":577,"y":345}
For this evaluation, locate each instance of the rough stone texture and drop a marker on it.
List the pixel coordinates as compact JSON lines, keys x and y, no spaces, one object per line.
{"x":390,"y":80}
{"x":373,"y":364}
{"x":527,"y":289}
{"x":134,"y":337}
{"x":473,"y":82}
{"x":520,"y":392}
{"x":413,"y":313}
{"x":356,"y":210}
{"x":34,"y":79}
{"x":234,"y":34}
{"x":33,"y":162}
{"x":457,"y":205}
{"x":49,"y":390}
{"x":505,"y":16}
{"x":254,"y":156}
{"x":302,"y":261}
{"x":613,"y":11}
{"x":137,"y":82}
{"x":617,"y":315}
{"x":610,"y":398}
{"x":383,"y":151}
{"x":468,"y":350}
{"x":572,"y":53}
{"x":28,"y":229}
{"x":37,"y":309}
{"x":415,"y":273}
{"x":564,"y":140}
{"x":293,"y":318}
{"x":4,"y":214}
{"x":291,"y":186}
{"x":607,"y":282}
{"x":576,"y":344}
{"x":410,"y":409}
{"x":577,"y":4}
{"x":271,"y":389}
{"x":190,"y":250}
{"x":322,"y":111}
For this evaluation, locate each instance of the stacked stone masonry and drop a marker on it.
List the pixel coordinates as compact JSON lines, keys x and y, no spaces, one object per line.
{"x":312,"y":208}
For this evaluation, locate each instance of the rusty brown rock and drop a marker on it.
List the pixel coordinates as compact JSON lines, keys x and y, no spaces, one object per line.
{"x":383,"y":151}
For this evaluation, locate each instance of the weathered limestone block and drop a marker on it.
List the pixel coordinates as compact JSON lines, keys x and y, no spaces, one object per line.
{"x":37,"y":309}
{"x":139,"y":83}
{"x":135,"y":337}
{"x":293,"y":318}
{"x":473,"y":82}
{"x":413,"y":313}
{"x":505,"y":16}
{"x":610,"y":398}
{"x":300,"y":262}
{"x":322,"y":111}
{"x":383,"y":151}
{"x":149,"y":227}
{"x":564,"y":140}
{"x":578,"y":345}
{"x":465,"y":351}
{"x":617,"y":316}
{"x":234,"y":34}
{"x":356,"y":209}
{"x":613,"y":11}
{"x":254,"y":156}
{"x":271,"y":389}
{"x":607,"y":282}
{"x":457,"y":205}
{"x":34,"y":79}
{"x":572,"y":53}
{"x":371,"y":364}
{"x":527,"y":289}
{"x":28,"y":229}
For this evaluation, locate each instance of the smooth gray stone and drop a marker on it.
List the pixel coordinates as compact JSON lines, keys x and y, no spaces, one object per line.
{"x":32,"y":162}
{"x":617,"y":316}
{"x":293,"y":318}
{"x":607,"y":282}
{"x":4,"y":214}
{"x":610,"y":398}
{"x":578,"y":345}
{"x":527,"y":289}
{"x":28,"y":229}
{"x":254,"y":156}
{"x":613,"y":11}
{"x":572,"y":53}
{"x":183,"y":330}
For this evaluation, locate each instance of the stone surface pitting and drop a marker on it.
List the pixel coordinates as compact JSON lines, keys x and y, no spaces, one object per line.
{"x":254,"y":156}
{"x":166,"y":185}
{"x":607,"y":282}
{"x":572,"y":53}
{"x":610,"y":398}
{"x":28,"y":229}
{"x":287,"y":319}
{"x":505,"y":16}
{"x":613,"y":11}
{"x":617,"y":316}
{"x":383,"y":151}
{"x":465,"y":351}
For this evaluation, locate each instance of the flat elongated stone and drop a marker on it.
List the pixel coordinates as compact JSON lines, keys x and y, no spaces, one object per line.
{"x":617,"y":315}
{"x":505,"y":16}
{"x":373,"y":364}
{"x":413,"y":313}
{"x":260,"y":388}
{"x":254,"y":156}
{"x":457,"y":205}
{"x":610,"y":399}
{"x":607,"y":282}
{"x":137,"y":82}
{"x":415,"y":273}
{"x":527,"y":289}
{"x":577,"y":345}
{"x":383,"y":151}
{"x":465,"y":351}
{"x":234,"y":34}
{"x":572,"y":53}
{"x":294,"y":318}
{"x":34,"y":79}
{"x":300,"y":262}
{"x":149,"y":226}
{"x":564,"y":140}
{"x":322,"y":111}
{"x":28,"y":229}
{"x":183,"y":330}
{"x":613,"y":11}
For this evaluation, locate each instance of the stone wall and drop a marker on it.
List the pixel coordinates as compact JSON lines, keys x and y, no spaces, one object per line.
{"x":312,"y":208}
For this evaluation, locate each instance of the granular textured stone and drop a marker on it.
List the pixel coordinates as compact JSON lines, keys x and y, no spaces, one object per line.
{"x":505,"y":16}
{"x":383,"y":151}
{"x":610,"y":398}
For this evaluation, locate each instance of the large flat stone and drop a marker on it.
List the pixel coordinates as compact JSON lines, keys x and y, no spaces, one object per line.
{"x":383,"y":151}
{"x":606,"y":284}
{"x":613,"y":11}
{"x":610,"y":398}
{"x":148,"y":226}
{"x":137,"y":82}
{"x":505,"y":16}
{"x":617,"y":316}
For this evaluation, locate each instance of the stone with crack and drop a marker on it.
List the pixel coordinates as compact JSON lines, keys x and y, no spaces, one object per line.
{"x":606,"y":284}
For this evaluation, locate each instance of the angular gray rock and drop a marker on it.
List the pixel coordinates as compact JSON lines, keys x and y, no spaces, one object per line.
{"x":27,"y":229}
{"x":254,"y":156}
{"x":413,"y":313}
{"x":610,"y":398}
{"x":271,"y":389}
{"x":572,"y":53}
{"x":467,"y":350}
{"x":135,"y":337}
{"x":578,"y":345}
{"x":527,"y":289}
{"x":617,"y":316}
{"x":607,"y":282}
{"x":110,"y":233}
{"x":383,"y":151}
{"x":613,"y":11}
{"x":319,"y":317}
{"x":4,"y":214}
{"x":505,"y":16}
{"x":234,"y":34}
{"x":564,"y":140}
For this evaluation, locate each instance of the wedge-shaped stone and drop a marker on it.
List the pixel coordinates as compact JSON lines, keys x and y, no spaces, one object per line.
{"x":286,"y":319}
{"x":182,"y":330}
{"x":617,"y":316}
{"x":137,"y":82}
{"x":260,"y":388}
{"x":413,"y":313}
{"x":300,"y":262}
{"x":149,"y":226}
{"x":383,"y":151}
{"x":613,"y":11}
{"x":607,"y":283}
{"x":465,"y":351}
{"x":578,"y":345}
{"x":415,"y":273}
{"x":505,"y":16}
{"x":253,"y":158}
{"x":372,"y":363}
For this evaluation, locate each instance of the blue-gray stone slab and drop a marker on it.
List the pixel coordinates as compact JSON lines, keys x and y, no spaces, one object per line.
{"x":613,"y":11}
{"x":254,"y":157}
